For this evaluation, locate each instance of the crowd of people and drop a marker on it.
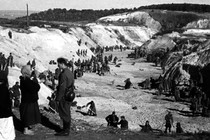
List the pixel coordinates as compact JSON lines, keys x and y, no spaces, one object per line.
{"x":8,"y":61}
{"x":24,"y":94}
{"x":108,"y":48}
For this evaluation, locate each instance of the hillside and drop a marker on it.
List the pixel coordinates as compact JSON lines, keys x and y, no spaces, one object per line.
{"x":131,"y":29}
{"x":73,"y":15}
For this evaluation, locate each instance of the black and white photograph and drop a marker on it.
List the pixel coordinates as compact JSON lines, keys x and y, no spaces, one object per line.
{"x":104,"y":69}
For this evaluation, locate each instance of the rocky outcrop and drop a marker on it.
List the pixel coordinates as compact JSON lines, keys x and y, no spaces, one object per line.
{"x":201,"y":24}
{"x":135,"y":18}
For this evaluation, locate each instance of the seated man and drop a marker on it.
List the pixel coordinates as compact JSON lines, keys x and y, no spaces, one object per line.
{"x":146,"y":127}
{"x":128,"y":83}
{"x":179,"y":128}
{"x":112,"y":120}
{"x":92,"y":109}
{"x":124,"y":123}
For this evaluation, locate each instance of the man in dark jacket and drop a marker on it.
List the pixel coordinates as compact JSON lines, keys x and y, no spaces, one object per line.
{"x":65,"y":80}
{"x":169,"y":122}
{"x":16,"y":94}
{"x":123,"y":123}
{"x":128,"y":83}
{"x":112,"y":119}
{"x":10,"y":60}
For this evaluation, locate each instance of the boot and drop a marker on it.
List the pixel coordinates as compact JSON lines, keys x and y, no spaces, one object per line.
{"x":65,"y":131}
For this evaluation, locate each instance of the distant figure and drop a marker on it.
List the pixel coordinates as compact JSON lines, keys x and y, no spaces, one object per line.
{"x":169,"y":122}
{"x":79,"y":42}
{"x":128,"y":83}
{"x":29,"y":63}
{"x":10,"y":34}
{"x":112,"y":120}
{"x":115,"y":60}
{"x":16,"y":94}
{"x":133,"y":63}
{"x":147,"y":84}
{"x":146,"y":128}
{"x":179,"y":128}
{"x":123,"y":123}
{"x":194,"y":105}
{"x":177,"y":94}
{"x":10,"y":60}
{"x":92,"y":109}
{"x":33,"y":64}
{"x":112,"y":82}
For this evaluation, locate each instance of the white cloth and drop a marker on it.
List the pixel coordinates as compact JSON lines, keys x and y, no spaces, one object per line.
{"x":7,"y":130}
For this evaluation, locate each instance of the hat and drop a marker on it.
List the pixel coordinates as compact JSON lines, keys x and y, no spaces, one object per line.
{"x":26,"y":71}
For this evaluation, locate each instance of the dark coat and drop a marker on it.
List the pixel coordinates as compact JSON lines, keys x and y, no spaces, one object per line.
{"x":29,"y":90}
{"x":146,"y":128}
{"x":128,"y":84}
{"x":66,"y":79}
{"x":112,"y":120}
{"x":123,"y":124}
{"x":5,"y":102}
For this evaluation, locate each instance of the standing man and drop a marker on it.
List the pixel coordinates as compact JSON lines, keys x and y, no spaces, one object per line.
{"x":10,"y":60}
{"x":112,"y":119}
{"x":10,"y":34}
{"x":65,"y":80}
{"x":33,"y":64}
{"x":123,"y":123}
{"x":169,"y":122}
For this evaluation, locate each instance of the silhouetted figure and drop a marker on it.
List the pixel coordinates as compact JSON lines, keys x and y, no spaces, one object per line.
{"x":10,"y":60}
{"x":123,"y":123}
{"x":179,"y":128}
{"x":112,"y":120}
{"x":128,"y":83}
{"x":146,"y":128}
{"x":10,"y":34}
{"x":33,"y":64}
{"x":169,"y":122}
{"x":29,"y":63}
{"x":16,"y":94}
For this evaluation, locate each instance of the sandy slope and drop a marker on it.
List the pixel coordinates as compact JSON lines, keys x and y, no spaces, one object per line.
{"x":149,"y":107}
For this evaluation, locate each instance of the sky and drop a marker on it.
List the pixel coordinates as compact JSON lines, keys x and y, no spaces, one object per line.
{"x":41,"y":5}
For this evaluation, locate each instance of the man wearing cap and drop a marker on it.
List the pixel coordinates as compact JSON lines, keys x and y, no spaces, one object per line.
{"x":65,"y":80}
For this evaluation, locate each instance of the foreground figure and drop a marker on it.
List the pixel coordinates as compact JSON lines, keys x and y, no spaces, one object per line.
{"x":66,"y":80}
{"x":7,"y":131}
{"x":29,"y":109}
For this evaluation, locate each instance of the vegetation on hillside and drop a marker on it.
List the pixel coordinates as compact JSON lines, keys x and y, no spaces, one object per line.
{"x":92,"y":15}
{"x":168,"y":16}
{"x":171,"y":20}
{"x":201,"y":8}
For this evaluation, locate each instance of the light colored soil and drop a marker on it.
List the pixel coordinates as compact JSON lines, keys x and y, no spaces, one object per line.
{"x":108,"y":98}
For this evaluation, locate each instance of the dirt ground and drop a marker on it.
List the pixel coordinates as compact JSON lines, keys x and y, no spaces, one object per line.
{"x":111,"y":97}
